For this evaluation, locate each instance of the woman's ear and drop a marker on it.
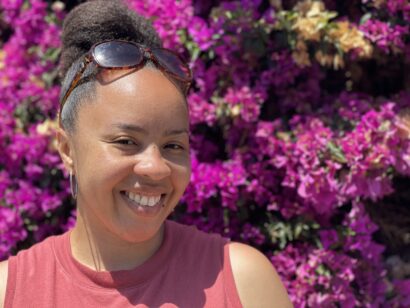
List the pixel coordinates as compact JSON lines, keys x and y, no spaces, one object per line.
{"x":65,"y":148}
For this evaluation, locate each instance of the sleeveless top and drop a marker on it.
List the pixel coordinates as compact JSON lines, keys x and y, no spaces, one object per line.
{"x":190,"y":269}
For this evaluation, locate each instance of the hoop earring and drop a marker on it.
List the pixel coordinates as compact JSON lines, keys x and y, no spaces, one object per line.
{"x":73,"y":186}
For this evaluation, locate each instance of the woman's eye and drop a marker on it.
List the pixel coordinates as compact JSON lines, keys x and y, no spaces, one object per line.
{"x":125,"y":142}
{"x":174,"y":146}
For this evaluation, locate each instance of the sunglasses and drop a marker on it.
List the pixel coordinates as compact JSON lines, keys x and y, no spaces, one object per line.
{"x":118,"y":54}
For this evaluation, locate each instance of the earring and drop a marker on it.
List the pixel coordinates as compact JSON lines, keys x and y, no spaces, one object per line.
{"x":73,"y":186}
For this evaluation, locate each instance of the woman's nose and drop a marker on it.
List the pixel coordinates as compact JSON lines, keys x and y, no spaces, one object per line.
{"x":151,"y":163}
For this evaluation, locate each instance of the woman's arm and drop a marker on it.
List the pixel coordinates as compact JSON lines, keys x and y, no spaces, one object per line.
{"x":3,"y":281}
{"x":256,"y":280}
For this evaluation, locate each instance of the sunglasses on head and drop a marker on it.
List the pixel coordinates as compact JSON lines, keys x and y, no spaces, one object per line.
{"x":118,"y":54}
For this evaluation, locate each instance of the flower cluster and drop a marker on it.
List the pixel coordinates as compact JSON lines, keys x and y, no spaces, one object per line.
{"x":386,"y":37}
{"x":395,"y":8}
{"x":313,"y":25}
{"x":32,"y":188}
{"x":169,"y":17}
{"x":290,"y":141}
{"x":317,"y":277}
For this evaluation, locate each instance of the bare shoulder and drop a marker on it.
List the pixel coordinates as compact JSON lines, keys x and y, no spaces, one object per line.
{"x":3,"y":281}
{"x":257,"y":281}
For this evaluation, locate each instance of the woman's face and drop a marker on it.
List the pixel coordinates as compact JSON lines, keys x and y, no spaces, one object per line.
{"x":130,"y":154}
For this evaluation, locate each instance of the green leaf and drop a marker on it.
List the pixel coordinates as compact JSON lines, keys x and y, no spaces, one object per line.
{"x":365,"y":18}
{"x":336,"y":153}
{"x":384,"y":127}
{"x":332,"y":15}
{"x":323,"y":270}
{"x":182,"y":36}
{"x":52,"y":54}
{"x":298,"y":230}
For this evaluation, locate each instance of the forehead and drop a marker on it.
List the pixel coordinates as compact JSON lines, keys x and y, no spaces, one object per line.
{"x":143,"y":96}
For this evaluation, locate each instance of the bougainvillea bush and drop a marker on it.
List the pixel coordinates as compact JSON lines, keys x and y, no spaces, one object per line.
{"x":300,"y":135}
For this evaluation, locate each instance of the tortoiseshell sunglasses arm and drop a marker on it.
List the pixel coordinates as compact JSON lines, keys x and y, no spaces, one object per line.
{"x":87,"y":60}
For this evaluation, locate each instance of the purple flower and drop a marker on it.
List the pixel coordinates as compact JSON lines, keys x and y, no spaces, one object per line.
{"x":328,"y":238}
{"x":387,"y":37}
{"x":200,"y":110}
{"x":201,"y":33}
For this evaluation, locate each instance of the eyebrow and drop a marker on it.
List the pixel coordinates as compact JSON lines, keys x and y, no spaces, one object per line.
{"x":139,"y":129}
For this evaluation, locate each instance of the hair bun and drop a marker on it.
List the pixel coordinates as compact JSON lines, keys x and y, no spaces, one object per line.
{"x":95,"y":21}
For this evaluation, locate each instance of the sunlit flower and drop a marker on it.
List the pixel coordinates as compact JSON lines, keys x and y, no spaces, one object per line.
{"x":347,"y":37}
{"x":301,"y":57}
{"x":308,"y":28}
{"x":48,"y":127}
{"x":310,"y":8}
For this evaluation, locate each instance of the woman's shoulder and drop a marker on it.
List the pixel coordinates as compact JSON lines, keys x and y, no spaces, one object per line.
{"x":39,"y":250}
{"x":26,"y":258}
{"x":256,"y":279}
{"x":3,"y":281}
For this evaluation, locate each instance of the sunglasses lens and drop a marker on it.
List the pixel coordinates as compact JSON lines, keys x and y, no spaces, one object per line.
{"x":117,"y":54}
{"x":172,"y":63}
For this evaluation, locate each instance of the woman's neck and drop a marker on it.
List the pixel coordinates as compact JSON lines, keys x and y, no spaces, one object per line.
{"x":101,"y":250}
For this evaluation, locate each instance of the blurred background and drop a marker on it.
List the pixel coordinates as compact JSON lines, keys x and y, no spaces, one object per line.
{"x":300,"y":122}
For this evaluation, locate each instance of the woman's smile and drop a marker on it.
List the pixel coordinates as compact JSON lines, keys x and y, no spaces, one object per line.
{"x":143,"y":205}
{"x":143,"y":200}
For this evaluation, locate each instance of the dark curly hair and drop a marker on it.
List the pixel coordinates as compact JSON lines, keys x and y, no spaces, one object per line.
{"x":89,"y":23}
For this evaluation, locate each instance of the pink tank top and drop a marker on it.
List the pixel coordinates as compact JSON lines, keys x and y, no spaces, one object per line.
{"x":190,"y":269}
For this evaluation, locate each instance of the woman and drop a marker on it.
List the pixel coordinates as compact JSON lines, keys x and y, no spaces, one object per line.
{"x":124,"y":138}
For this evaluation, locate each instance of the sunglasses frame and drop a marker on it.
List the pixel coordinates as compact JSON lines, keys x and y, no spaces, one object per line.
{"x":146,"y":54}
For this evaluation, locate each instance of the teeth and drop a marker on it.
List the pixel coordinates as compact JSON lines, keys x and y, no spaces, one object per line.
{"x":152,"y":201}
{"x":143,"y":200}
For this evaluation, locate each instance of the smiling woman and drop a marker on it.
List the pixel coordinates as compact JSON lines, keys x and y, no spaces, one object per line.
{"x":124,"y":138}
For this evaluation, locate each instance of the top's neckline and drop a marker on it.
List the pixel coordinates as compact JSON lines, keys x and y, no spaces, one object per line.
{"x":113,"y":279}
